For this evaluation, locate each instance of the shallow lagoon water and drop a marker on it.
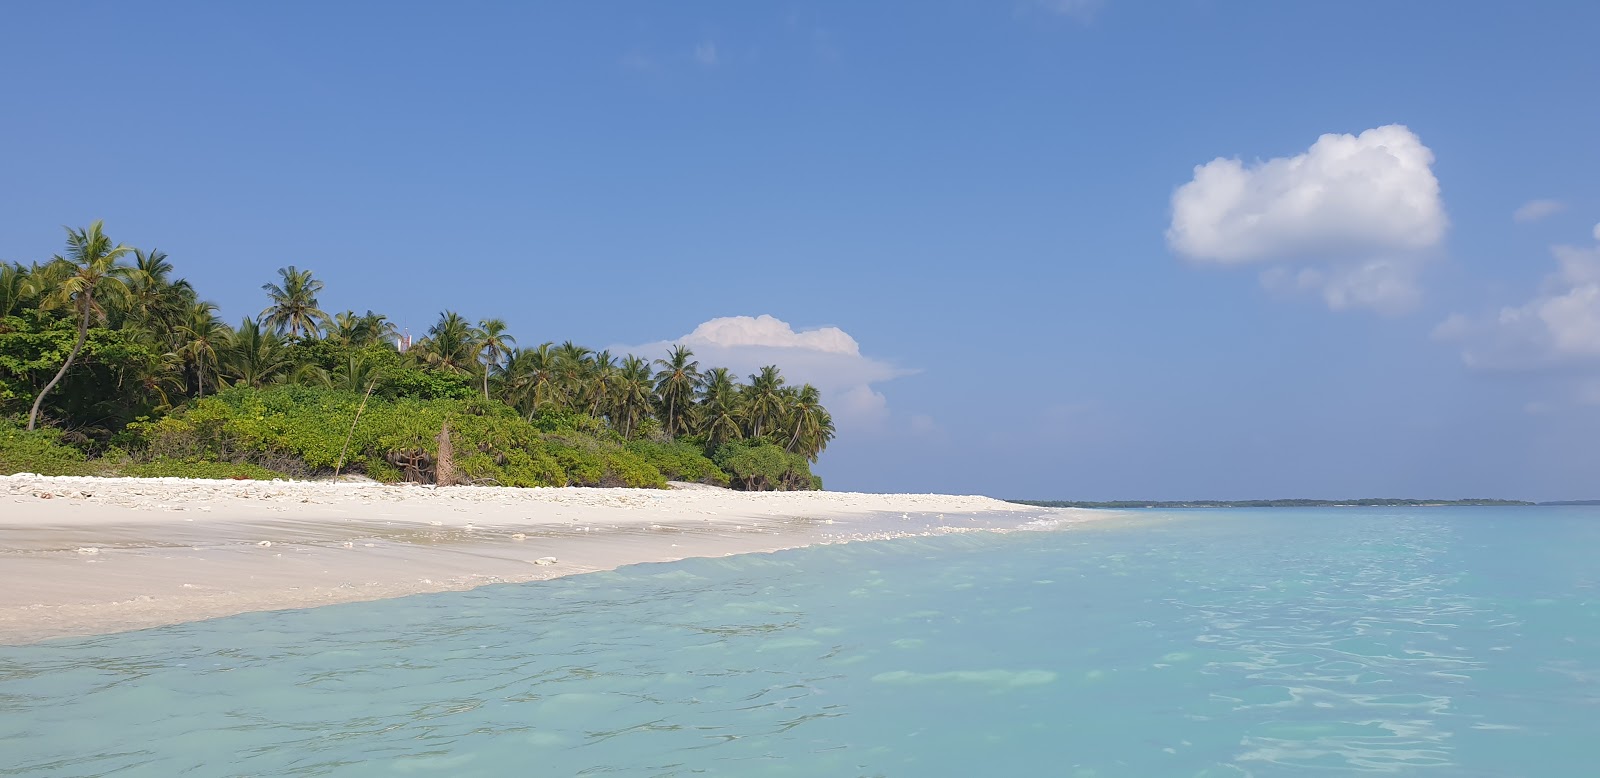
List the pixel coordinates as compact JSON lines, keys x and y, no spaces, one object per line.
{"x":1440,"y":641}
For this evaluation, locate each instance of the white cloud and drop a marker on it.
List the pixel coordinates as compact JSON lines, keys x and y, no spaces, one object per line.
{"x":826,"y":357}
{"x":1559,"y":326}
{"x":1534,"y":210}
{"x":706,"y":54}
{"x":1362,"y":210}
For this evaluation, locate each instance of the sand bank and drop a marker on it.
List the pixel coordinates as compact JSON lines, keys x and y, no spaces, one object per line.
{"x":81,"y":556}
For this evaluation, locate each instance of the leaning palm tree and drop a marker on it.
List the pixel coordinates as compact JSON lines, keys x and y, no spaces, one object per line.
{"x":493,"y":343}
{"x":294,"y":303}
{"x":82,"y":280}
{"x":675,"y":384}
{"x":805,"y":419}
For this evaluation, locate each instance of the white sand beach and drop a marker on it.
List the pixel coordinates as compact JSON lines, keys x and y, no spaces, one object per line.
{"x":83,"y":556}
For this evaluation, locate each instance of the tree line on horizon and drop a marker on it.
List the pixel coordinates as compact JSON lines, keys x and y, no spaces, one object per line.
{"x":104,"y":337}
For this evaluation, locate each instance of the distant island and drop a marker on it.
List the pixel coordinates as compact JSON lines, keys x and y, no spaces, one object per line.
{"x":118,"y":367}
{"x":1367,"y":502}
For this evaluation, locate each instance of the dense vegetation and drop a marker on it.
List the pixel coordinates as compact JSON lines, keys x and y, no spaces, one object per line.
{"x":1366,"y":502}
{"x":110,"y":363}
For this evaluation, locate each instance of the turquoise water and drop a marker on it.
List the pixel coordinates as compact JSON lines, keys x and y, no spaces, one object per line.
{"x":1459,"y":642}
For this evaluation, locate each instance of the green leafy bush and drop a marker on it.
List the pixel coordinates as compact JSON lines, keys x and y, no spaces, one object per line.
{"x":762,"y":466}
{"x":192,"y":468}
{"x":680,"y":461}
{"x":40,"y":451}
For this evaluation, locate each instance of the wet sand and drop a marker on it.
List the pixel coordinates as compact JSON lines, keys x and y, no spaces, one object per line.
{"x":83,"y":556}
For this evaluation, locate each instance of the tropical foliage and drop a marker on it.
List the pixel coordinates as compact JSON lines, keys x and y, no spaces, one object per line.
{"x":108,"y":360}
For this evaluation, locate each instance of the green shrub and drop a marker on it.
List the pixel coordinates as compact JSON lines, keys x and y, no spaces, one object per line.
{"x":194,"y":468}
{"x":680,"y":461}
{"x":300,"y":431}
{"x":762,"y":466}
{"x":40,"y":451}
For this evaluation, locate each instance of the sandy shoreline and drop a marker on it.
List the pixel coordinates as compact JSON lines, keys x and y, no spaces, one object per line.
{"x":83,"y":556}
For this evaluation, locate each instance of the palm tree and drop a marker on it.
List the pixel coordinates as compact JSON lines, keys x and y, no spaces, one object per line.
{"x":763,"y":400}
{"x":294,"y":303}
{"x":571,"y":372}
{"x":602,"y":383}
{"x":719,"y":407}
{"x":16,"y":287}
{"x":450,"y":345}
{"x":807,"y":418}
{"x":369,"y":329}
{"x":631,"y":398}
{"x":202,"y":338}
{"x":493,"y":342}
{"x":357,"y":374}
{"x":530,"y":379}
{"x":86,"y":276}
{"x":675,"y":385}
{"x":257,"y":356}
{"x":157,"y":301}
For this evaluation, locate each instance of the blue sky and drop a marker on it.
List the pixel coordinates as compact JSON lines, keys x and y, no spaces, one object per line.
{"x":978,"y":196}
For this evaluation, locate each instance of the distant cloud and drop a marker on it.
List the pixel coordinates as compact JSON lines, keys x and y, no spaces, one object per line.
{"x":1534,"y":210}
{"x":706,"y":54}
{"x":827,"y":357}
{"x":1560,"y":326}
{"x":1361,"y":213}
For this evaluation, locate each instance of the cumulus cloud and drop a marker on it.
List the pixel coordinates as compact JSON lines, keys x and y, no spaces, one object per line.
{"x":1559,"y":326}
{"x":1358,"y":213}
{"x":1534,"y":210}
{"x":827,"y":357}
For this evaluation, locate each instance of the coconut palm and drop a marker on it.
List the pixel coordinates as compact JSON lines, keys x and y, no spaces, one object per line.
{"x":810,"y":428}
{"x":675,"y":385}
{"x":256,"y":356}
{"x":294,"y":303}
{"x":360,"y":331}
{"x":530,"y":379}
{"x":763,"y":401}
{"x":155,"y":300}
{"x":202,"y":337}
{"x":82,"y":280}
{"x":602,"y":383}
{"x":719,"y":409}
{"x":493,"y":343}
{"x":450,"y":345}
{"x":632,"y":398}
{"x":571,"y":372}
{"x":357,"y":374}
{"x":16,"y":287}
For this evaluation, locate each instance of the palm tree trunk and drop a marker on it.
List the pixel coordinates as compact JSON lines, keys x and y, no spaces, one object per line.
{"x":83,"y":334}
